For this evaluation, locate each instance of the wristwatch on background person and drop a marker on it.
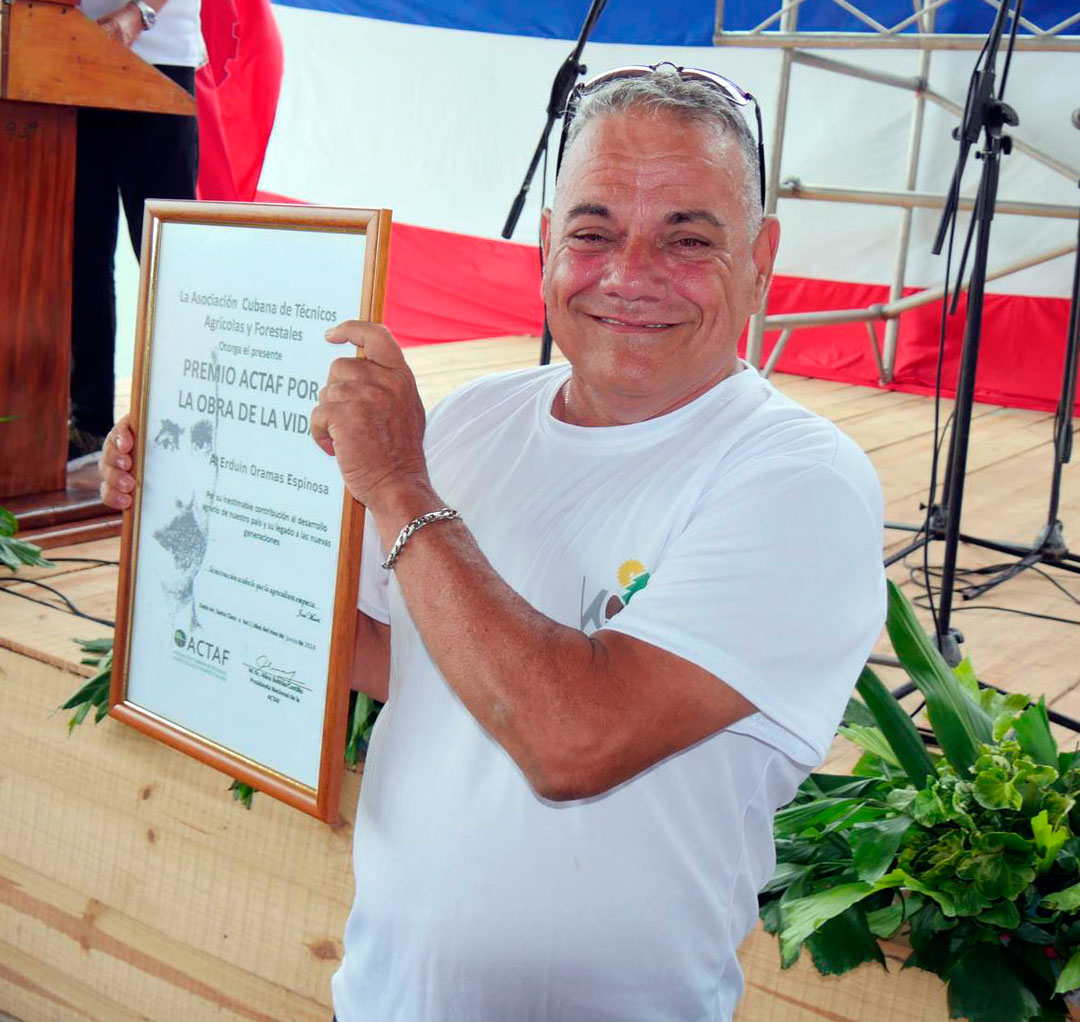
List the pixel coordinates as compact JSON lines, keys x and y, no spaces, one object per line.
{"x":146,"y":12}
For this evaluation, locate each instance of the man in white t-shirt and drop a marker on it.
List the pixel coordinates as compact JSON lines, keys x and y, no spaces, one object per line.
{"x":625,"y":604}
{"x":123,"y":156}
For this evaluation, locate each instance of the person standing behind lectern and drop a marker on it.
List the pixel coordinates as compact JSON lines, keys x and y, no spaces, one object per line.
{"x":126,"y":156}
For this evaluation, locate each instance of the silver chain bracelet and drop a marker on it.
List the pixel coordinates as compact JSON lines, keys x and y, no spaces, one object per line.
{"x":443,"y":514}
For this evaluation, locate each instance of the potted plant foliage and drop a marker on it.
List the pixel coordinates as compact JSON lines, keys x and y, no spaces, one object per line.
{"x":15,"y":552}
{"x":970,"y":855}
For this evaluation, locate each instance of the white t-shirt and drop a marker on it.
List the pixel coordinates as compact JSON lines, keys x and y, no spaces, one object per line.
{"x":176,"y":37}
{"x":759,"y":525}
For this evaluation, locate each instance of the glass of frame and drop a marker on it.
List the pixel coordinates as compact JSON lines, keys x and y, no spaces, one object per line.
{"x":240,"y":555}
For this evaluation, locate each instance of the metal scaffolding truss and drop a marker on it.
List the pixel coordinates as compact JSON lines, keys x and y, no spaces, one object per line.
{"x":780,"y":30}
{"x":913,"y":32}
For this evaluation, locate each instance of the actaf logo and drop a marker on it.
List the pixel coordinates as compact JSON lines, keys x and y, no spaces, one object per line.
{"x":201,"y":648}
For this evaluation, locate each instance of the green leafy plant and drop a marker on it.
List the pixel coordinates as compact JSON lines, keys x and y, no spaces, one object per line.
{"x":242,"y":793}
{"x":362,"y":719}
{"x":93,"y":694}
{"x":970,"y":855}
{"x":15,"y":552}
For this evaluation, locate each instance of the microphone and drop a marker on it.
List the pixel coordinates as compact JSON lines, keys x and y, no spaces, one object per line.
{"x":1075,"y":118}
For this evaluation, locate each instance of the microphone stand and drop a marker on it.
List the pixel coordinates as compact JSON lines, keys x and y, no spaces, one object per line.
{"x":988,"y":114}
{"x":1049,"y":545}
{"x":942,"y":518}
{"x":565,"y":78}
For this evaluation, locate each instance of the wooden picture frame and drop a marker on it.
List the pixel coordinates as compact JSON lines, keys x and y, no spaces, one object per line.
{"x":215,"y":557}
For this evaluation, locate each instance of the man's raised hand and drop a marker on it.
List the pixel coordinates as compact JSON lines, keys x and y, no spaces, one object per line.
{"x":370,"y":416}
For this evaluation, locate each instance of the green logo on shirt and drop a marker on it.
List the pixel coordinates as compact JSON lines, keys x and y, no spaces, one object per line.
{"x":632,"y":577}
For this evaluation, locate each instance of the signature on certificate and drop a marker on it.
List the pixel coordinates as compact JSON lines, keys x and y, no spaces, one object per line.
{"x":263,"y":671}
{"x":263,"y":663}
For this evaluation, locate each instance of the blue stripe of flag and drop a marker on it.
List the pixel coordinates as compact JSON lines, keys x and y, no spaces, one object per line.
{"x":674,"y":23}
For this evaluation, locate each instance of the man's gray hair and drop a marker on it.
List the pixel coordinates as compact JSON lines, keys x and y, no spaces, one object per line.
{"x":666,"y":92}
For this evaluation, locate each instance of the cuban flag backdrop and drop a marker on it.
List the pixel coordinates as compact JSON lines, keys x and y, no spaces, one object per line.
{"x":434,"y":108}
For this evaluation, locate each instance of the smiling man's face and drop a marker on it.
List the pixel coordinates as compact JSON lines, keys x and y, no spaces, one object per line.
{"x":649,"y":274}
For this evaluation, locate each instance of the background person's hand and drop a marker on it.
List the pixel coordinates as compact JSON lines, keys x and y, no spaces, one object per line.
{"x":116,"y":465}
{"x":125,"y":24}
{"x":370,"y":416}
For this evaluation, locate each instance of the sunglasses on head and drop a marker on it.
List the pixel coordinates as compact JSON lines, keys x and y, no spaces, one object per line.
{"x":730,"y":91}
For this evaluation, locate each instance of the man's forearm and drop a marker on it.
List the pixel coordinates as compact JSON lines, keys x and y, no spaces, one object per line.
{"x":524,"y":677}
{"x":578,"y":714}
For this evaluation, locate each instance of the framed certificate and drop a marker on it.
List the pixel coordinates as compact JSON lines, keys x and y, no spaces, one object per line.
{"x":240,"y":555}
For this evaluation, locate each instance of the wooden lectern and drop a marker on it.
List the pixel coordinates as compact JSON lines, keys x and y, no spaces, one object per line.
{"x":53,"y":59}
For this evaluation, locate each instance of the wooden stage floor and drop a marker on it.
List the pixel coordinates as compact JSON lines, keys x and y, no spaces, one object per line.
{"x":1007,"y":492}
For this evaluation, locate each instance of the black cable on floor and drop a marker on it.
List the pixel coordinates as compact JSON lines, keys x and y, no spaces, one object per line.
{"x":71,"y":608}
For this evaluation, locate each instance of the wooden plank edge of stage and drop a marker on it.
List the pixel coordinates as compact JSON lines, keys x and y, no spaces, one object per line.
{"x":132,"y":886}
{"x":66,"y":517}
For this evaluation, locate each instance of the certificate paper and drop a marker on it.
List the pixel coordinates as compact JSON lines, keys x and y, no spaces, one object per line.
{"x":234,"y":560}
